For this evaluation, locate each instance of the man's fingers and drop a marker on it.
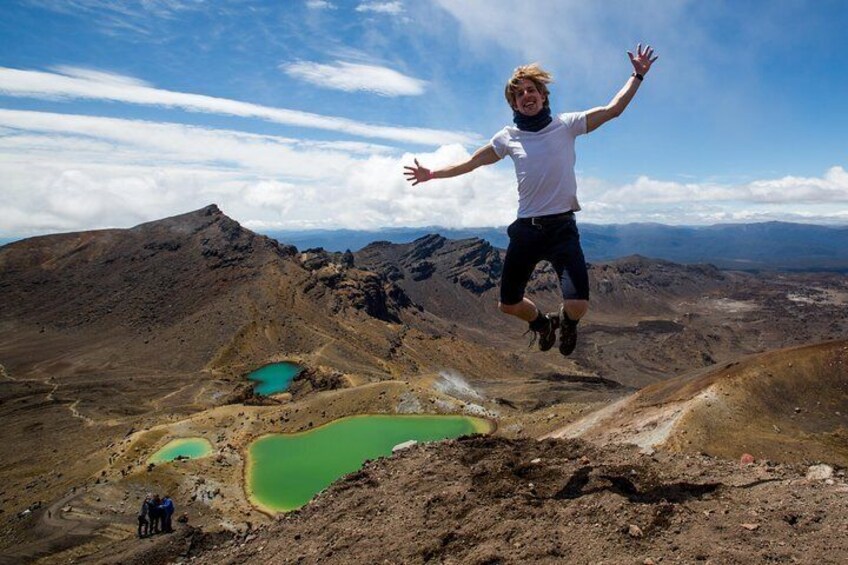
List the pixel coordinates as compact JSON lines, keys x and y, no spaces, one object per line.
{"x":639,"y":49}
{"x":416,"y":163}
{"x":655,"y":58}
{"x":630,"y":54}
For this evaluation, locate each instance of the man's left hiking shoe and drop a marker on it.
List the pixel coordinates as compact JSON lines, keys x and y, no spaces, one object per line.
{"x":567,"y":334}
{"x":544,"y":329}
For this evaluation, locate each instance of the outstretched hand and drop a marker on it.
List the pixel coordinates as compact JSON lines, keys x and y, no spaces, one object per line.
{"x":643,"y":60}
{"x":417,"y":174}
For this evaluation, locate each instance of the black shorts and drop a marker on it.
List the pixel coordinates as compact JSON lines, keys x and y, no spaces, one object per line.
{"x":554,"y":239}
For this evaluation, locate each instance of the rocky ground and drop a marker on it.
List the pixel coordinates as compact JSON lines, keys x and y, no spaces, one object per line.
{"x":491,"y":500}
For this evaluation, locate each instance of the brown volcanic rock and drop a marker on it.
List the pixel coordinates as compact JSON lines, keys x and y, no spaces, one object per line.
{"x":188,"y":293}
{"x":364,"y":290}
{"x":472,"y":263}
{"x":455,"y":280}
{"x":166,"y":294}
{"x":154,"y":273}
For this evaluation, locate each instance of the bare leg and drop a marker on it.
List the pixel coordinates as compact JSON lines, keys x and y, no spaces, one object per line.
{"x":575,"y":309}
{"x":525,"y":310}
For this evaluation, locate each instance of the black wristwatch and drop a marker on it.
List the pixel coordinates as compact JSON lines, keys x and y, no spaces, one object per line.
{"x":637,"y":75}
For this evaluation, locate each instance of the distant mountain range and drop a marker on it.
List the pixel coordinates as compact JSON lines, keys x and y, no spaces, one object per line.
{"x":750,"y":247}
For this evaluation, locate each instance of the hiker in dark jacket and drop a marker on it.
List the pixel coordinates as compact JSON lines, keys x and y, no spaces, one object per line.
{"x":155,"y":515}
{"x":143,"y":523}
{"x":167,"y":508}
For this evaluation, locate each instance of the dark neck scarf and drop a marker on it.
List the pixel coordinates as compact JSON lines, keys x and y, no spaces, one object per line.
{"x":532,"y":123}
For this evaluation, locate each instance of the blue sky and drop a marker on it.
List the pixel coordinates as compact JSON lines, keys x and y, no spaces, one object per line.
{"x":301,"y":114}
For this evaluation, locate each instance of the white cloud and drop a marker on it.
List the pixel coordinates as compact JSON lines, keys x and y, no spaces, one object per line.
{"x":38,"y":84}
{"x":790,"y":198}
{"x":392,"y":8}
{"x":353,"y":76}
{"x":832,"y":187}
{"x":66,"y":172}
{"x":94,"y":140}
{"x":320,"y":5}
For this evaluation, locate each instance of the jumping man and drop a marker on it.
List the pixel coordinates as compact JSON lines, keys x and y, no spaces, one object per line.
{"x":542,"y":149}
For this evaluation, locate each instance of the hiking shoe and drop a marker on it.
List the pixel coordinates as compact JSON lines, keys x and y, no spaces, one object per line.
{"x":545,"y":331}
{"x":567,"y":335}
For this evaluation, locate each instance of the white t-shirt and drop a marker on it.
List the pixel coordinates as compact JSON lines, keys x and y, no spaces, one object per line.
{"x":544,"y":164}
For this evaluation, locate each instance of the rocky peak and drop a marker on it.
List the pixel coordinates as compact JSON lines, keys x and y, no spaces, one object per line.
{"x":369,"y":291}
{"x":424,"y":247}
{"x":176,"y":260}
{"x":472,"y":263}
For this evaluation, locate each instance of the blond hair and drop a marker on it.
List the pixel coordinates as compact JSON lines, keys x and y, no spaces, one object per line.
{"x":540,"y":77}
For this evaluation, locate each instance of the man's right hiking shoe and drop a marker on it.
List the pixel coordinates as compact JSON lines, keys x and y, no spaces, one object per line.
{"x":567,"y":335}
{"x":545,"y":331}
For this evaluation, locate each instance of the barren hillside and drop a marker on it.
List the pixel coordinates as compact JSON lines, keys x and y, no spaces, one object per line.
{"x":113,"y":342}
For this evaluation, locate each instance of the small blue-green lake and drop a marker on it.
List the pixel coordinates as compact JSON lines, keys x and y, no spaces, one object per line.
{"x":274,"y":378}
{"x":189,"y":447}
{"x":284,"y":471}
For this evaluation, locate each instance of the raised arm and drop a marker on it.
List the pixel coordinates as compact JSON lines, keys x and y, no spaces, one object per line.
{"x":484,"y":156}
{"x":642,"y":61}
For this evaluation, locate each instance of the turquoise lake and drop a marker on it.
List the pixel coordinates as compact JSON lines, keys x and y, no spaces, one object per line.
{"x":189,"y":447}
{"x":274,"y":378}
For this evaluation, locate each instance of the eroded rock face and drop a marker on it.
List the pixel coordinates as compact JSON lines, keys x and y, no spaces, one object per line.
{"x":371,"y":292}
{"x":312,"y":380}
{"x":471,"y":263}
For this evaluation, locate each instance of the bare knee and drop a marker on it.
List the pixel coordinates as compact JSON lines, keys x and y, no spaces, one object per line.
{"x":509,"y":308}
{"x":575,"y":309}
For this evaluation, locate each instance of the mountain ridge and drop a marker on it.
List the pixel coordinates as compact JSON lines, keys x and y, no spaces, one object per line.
{"x":759,"y":246}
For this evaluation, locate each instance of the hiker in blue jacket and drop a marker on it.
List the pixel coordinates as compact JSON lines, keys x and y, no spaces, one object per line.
{"x":167,"y":509}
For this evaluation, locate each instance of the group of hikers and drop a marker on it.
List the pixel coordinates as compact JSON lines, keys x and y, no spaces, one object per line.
{"x":155,"y":515}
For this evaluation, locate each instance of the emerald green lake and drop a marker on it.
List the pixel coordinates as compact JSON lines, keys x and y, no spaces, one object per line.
{"x":190,"y":447}
{"x":286,"y":470}
{"x":274,"y":378}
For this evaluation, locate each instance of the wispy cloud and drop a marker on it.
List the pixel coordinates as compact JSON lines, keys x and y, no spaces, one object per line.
{"x":392,"y":8}
{"x":575,"y":39}
{"x":116,"y":18}
{"x":351,"y":77}
{"x":38,"y":84}
{"x":320,"y":5}
{"x":101,"y":77}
